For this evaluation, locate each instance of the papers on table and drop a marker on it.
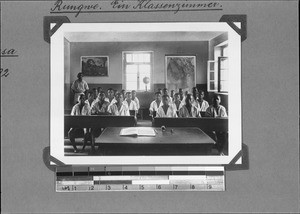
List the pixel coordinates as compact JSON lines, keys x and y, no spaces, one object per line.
{"x":138,"y":131}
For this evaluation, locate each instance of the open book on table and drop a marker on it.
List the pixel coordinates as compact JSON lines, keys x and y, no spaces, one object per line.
{"x":138,"y":131}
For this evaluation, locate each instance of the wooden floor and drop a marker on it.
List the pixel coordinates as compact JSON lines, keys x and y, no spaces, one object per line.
{"x":69,"y":151}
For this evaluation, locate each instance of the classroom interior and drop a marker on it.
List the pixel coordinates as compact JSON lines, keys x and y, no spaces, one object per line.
{"x":207,"y":47}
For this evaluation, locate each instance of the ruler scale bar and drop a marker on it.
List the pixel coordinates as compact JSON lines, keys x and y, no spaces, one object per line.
{"x":129,"y":178}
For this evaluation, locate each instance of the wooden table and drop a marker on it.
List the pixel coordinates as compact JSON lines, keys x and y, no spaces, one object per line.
{"x":173,"y":141}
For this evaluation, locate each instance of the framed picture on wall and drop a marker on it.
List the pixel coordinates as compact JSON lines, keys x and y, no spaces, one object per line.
{"x":94,"y":65}
{"x":180,"y":71}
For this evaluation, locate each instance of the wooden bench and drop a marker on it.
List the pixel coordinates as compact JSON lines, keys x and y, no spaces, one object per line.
{"x":97,"y":122}
{"x":205,"y":124}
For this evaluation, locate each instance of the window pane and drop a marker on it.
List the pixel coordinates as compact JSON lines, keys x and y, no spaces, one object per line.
{"x":211,"y":66}
{"x":212,"y":85}
{"x":135,"y":57}
{"x":146,"y":57}
{"x":142,"y":84}
{"x":128,"y":57}
{"x":224,"y":75}
{"x":141,"y":57}
{"x":144,"y":69}
{"x":223,"y":85}
{"x":131,"y":69}
{"x":131,"y":77}
{"x":224,"y":63}
{"x":212,"y":76}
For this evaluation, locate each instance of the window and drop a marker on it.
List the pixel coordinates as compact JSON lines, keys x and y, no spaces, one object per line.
{"x":137,"y":67}
{"x":217,"y":70}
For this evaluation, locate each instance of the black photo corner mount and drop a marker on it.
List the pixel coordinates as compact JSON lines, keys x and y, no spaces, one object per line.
{"x":244,"y":155}
{"x":47,"y":158}
{"x":230,"y":19}
{"x":58,"y":20}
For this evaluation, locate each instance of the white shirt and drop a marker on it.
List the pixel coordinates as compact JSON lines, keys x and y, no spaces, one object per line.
{"x":211,"y":111}
{"x":113,"y":109}
{"x":171,"y":112}
{"x":203,"y":106}
{"x":154,"y":107}
{"x":86,"y":110}
{"x":183,"y":112}
{"x":79,"y":86}
{"x":113,"y":101}
{"x":131,"y":106}
{"x":175,"y":107}
{"x":136,"y":100}
{"x":95,"y":108}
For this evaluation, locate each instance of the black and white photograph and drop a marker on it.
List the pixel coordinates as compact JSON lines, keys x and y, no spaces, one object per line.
{"x":167,"y":93}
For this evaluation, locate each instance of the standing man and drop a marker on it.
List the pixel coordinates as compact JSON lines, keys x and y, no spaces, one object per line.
{"x":79,"y":86}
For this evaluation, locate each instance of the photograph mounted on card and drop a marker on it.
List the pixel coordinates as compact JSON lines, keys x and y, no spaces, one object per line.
{"x":199,"y":62}
{"x":94,"y":65}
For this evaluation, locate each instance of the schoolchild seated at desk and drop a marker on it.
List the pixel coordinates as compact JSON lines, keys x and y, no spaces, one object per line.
{"x":123,"y":92}
{"x":203,"y":104}
{"x":166,"y":110}
{"x":110,"y":96}
{"x":155,"y":104}
{"x":119,"y":108}
{"x":177,"y":103}
{"x":216,"y":110}
{"x":189,"y":110}
{"x":81,"y":108}
{"x":180,"y":91}
{"x":130,"y":104}
{"x":98,"y":90}
{"x":172,"y":93}
{"x":91,"y":97}
{"x":135,"y":99}
{"x":166,"y":92}
{"x":100,"y":106}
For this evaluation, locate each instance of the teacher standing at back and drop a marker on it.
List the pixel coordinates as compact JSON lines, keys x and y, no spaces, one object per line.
{"x":79,"y":86}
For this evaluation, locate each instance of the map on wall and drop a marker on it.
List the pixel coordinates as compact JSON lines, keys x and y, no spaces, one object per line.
{"x":180,"y":72}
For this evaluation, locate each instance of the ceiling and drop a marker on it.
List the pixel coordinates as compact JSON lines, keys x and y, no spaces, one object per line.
{"x":140,"y":36}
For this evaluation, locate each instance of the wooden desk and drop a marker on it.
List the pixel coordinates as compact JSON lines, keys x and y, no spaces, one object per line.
{"x":182,"y":141}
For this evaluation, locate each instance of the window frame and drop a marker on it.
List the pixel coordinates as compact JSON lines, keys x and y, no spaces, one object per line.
{"x":124,"y":63}
{"x":217,"y":72}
